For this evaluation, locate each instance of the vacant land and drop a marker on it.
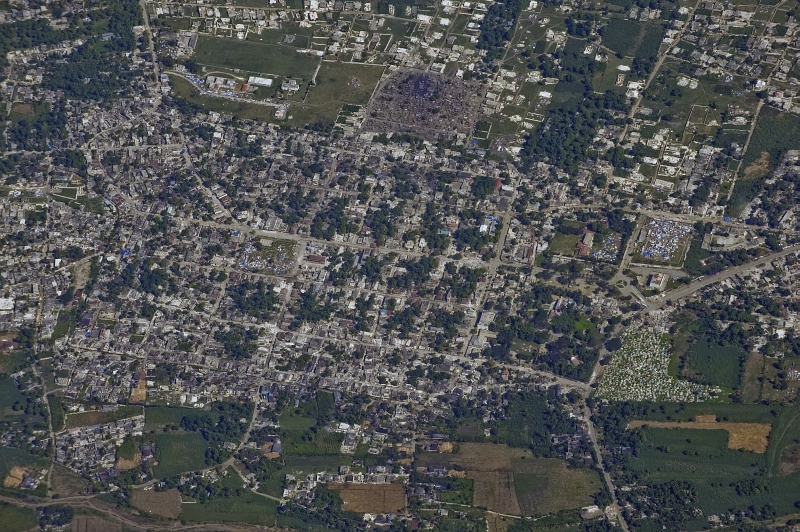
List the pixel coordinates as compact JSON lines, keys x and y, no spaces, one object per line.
{"x":9,"y":395}
{"x":751,"y":387}
{"x":96,"y":417}
{"x":10,"y":457}
{"x":186,"y":91}
{"x":248,"y":508}
{"x":160,"y":416}
{"x":545,"y":485}
{"x":746,"y":436}
{"x":372,"y":498}
{"x":177,"y":453}
{"x":715,"y":365}
{"x":16,"y":519}
{"x":254,"y":57}
{"x":340,"y":83}
{"x":162,"y":503}
{"x":91,"y":523}
{"x":67,"y":482}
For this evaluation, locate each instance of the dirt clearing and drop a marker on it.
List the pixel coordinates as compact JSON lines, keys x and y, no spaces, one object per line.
{"x":790,"y":460}
{"x":163,"y":503}
{"x":746,"y":436}
{"x":758,"y":167}
{"x":125,"y":465}
{"x":372,"y":498}
{"x":14,"y":477}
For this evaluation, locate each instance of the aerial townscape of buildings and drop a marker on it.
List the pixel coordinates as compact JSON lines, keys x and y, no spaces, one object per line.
{"x":307,"y":264}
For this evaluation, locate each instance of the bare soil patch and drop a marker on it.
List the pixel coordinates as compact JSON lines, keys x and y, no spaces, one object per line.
{"x":7,"y":341}
{"x":372,"y":498}
{"x":125,"y":465}
{"x":23,"y":109}
{"x":790,"y":460}
{"x":747,"y":436}
{"x":163,"y":503}
{"x":498,"y":523}
{"x":91,"y":523}
{"x":139,"y":392}
{"x":758,"y":167}
{"x":14,"y":477}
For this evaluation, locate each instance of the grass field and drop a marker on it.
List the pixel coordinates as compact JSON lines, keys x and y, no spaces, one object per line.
{"x":563,"y":244}
{"x":321,"y":443}
{"x":56,"y":405}
{"x":9,"y":394}
{"x":177,"y":453}
{"x":16,"y":519}
{"x":775,"y":133}
{"x":290,"y":421}
{"x":160,"y":416}
{"x":311,"y":464}
{"x":67,"y":482}
{"x":714,"y":364}
{"x":84,"y":419}
{"x":751,"y":387}
{"x":254,"y":57}
{"x":248,"y":508}
{"x":336,"y":84}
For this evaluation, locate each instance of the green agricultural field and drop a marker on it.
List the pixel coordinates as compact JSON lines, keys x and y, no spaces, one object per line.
{"x":248,"y":508}
{"x":714,"y":364}
{"x":9,"y":394}
{"x":16,"y":519}
{"x":632,"y":38}
{"x":311,"y":464}
{"x":177,"y":453}
{"x":254,"y":57}
{"x":160,"y":416}
{"x":545,"y":485}
{"x":702,"y":458}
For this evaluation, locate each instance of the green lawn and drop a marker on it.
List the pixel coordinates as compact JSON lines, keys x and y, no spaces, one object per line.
{"x":563,"y":244}
{"x":714,"y":364}
{"x":254,"y":57}
{"x":546,"y":485}
{"x":293,"y":422}
{"x":177,"y":453}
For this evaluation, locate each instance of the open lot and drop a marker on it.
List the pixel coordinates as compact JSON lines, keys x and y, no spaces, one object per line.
{"x":248,"y":508}
{"x":546,"y":485}
{"x":161,"y":416}
{"x":259,"y":58}
{"x":746,"y":436}
{"x":85,"y":419}
{"x":372,"y":498}
{"x":177,"y":453}
{"x":161,"y":503}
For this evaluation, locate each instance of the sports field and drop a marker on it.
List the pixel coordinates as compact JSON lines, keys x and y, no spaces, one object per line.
{"x":254,"y":57}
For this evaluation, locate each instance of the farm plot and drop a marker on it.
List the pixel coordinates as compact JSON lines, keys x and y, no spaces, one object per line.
{"x":161,"y":503}
{"x":746,"y":436}
{"x":371,"y":498}
{"x":511,"y":481}
{"x":248,"y":508}
{"x":546,"y":485}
